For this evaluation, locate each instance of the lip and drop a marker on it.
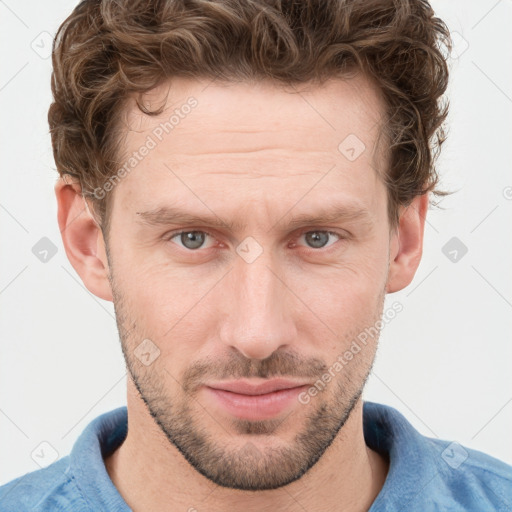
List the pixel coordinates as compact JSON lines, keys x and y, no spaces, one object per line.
{"x":247,"y":387}
{"x":255,"y":401}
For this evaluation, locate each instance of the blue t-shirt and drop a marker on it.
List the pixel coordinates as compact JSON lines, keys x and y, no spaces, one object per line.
{"x":424,"y":474}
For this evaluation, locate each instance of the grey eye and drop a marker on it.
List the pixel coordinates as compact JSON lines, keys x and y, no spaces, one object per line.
{"x":191,"y":239}
{"x":318,"y":239}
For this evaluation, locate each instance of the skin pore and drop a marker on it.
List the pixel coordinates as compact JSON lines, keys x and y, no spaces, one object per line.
{"x":259,"y":157}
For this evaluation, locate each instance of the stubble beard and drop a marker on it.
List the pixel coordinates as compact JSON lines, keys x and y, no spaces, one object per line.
{"x":241,"y":462}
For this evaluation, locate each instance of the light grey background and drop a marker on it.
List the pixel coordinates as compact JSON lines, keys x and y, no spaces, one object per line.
{"x":444,"y":361}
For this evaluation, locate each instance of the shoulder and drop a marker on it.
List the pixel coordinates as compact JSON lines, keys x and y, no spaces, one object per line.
{"x":432,"y":474}
{"x":78,"y":482}
{"x":476,"y":480}
{"x":48,"y":489}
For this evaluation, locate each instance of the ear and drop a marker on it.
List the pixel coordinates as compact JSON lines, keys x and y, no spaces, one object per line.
{"x":82,"y":238}
{"x":406,"y":244}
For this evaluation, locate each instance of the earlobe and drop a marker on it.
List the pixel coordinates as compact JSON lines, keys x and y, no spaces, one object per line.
{"x":82,"y":238}
{"x":406,"y":245}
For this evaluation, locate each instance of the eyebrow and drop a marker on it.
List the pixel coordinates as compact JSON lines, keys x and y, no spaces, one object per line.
{"x":168,"y":215}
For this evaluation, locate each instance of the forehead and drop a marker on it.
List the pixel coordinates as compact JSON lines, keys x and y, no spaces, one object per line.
{"x":249,"y":136}
{"x":325,"y":112}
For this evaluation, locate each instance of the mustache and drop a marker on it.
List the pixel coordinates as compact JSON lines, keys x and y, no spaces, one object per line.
{"x":237,"y":366}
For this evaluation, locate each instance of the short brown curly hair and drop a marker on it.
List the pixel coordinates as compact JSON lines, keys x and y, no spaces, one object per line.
{"x":107,"y":50}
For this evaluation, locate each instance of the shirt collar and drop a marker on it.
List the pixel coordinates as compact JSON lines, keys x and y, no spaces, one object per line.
{"x":100,"y":438}
{"x":386,"y":431}
{"x":412,"y":464}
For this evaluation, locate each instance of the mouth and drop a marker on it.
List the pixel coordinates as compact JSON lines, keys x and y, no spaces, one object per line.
{"x":255,"y":401}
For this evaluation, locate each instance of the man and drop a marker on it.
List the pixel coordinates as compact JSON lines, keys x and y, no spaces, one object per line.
{"x":246,"y":181}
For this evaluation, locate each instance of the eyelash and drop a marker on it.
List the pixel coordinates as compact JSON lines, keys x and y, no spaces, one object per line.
{"x":341,"y":236}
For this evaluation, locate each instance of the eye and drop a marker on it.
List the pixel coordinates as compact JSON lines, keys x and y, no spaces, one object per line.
{"x":319,"y":239}
{"x":195,"y":240}
{"x":191,"y":240}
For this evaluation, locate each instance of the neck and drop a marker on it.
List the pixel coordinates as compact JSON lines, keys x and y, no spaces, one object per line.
{"x":151,"y":474}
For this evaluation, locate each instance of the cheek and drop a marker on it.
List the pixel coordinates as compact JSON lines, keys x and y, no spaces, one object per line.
{"x":173,"y":308}
{"x":347,"y":288}
{"x":339,"y":303}
{"x":180,"y":307}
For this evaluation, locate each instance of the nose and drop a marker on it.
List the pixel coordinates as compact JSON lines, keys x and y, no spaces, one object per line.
{"x":260,"y":307}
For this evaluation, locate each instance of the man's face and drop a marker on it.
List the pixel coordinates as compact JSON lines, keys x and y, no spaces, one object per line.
{"x":261,"y":299}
